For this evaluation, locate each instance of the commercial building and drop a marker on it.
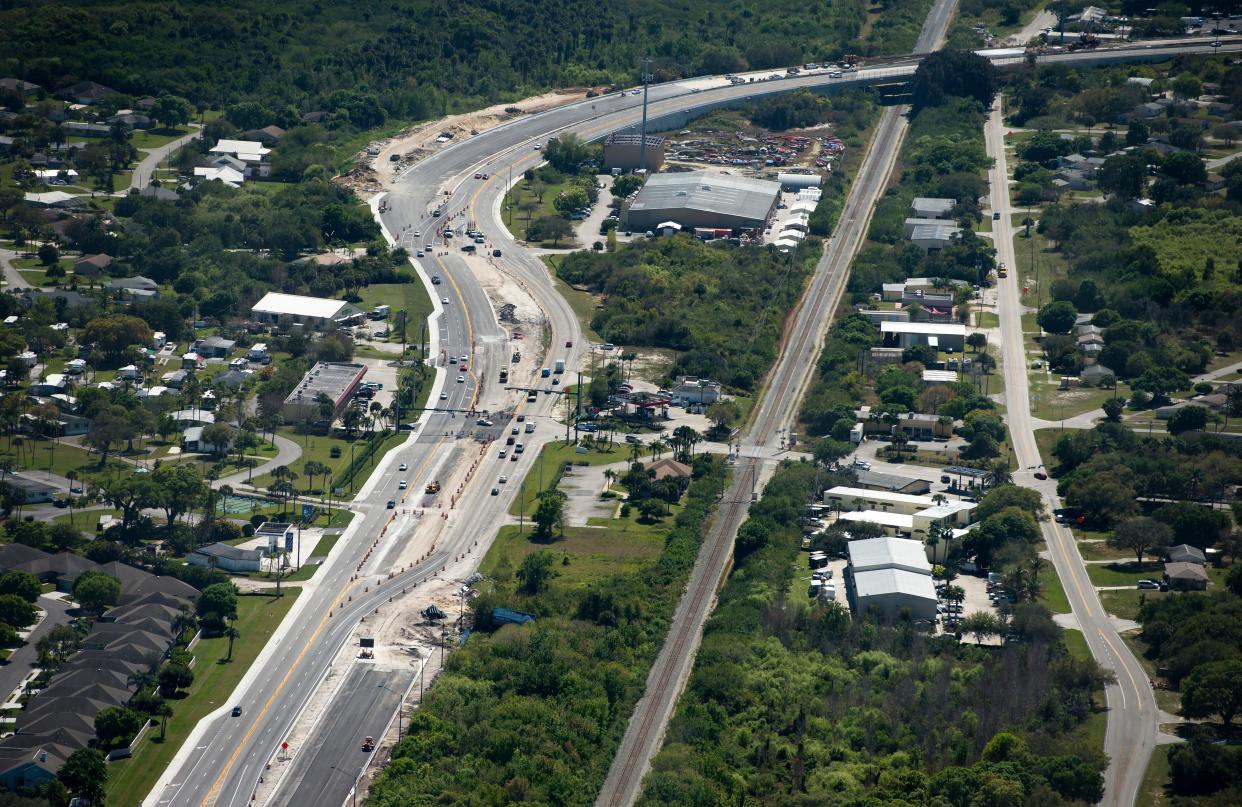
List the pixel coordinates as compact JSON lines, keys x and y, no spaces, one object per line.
{"x":337,"y":381}
{"x":798,"y":182}
{"x":225,"y":557}
{"x":924,"y":207}
{"x":702,"y":199}
{"x":692,"y":390}
{"x":621,"y":151}
{"x":874,"y":480}
{"x":903,"y":515}
{"x":890,"y":576}
{"x":940,"y":335}
{"x":311,"y":312}
{"x":932,"y":238}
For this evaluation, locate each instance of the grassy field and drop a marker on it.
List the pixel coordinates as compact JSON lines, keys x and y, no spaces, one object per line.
{"x":517,"y":220}
{"x":1125,"y":573}
{"x":607,"y":547}
{"x":1040,"y":265}
{"x":318,"y":447}
{"x":1099,"y":550}
{"x":1053,"y":597}
{"x":1125,"y":604}
{"x":410,"y":296}
{"x":551,"y":458}
{"x":322,"y":548}
{"x":1057,"y":404}
{"x":85,"y":520}
{"x":1166,"y":699}
{"x":1153,"y":791}
{"x":61,"y":458}
{"x":154,"y":138}
{"x":1045,"y":439}
{"x":130,"y":780}
{"x":35,"y":273}
{"x":583,"y":303}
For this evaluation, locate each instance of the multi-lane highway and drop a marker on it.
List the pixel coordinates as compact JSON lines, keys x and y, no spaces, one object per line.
{"x":1133,"y":717}
{"x":222,"y":761}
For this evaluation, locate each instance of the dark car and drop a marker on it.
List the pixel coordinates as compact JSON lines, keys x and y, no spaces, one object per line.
{"x":391,"y":504}
{"x":495,"y":253}
{"x":1041,"y":475}
{"x":236,"y":711}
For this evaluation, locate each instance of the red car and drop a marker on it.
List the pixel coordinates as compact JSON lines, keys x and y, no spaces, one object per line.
{"x":1041,"y":475}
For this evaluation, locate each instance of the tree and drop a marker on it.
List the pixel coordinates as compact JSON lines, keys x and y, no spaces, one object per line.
{"x":232,"y":633}
{"x":96,"y":591}
{"x":1187,"y":419}
{"x":117,"y":725}
{"x":1113,"y":409}
{"x":217,"y":603}
{"x":549,"y":514}
{"x":549,"y":228}
{"x":567,"y":153}
{"x":570,"y":200}
{"x":172,"y":110}
{"x":1141,"y":535}
{"x":535,"y":572}
{"x":948,"y":73}
{"x":1124,"y":175}
{"x":626,"y":184}
{"x":112,"y":334}
{"x":48,"y":254}
{"x":180,"y":489}
{"x":175,"y":676}
{"x":723,"y":413}
{"x":109,"y":426}
{"x":977,"y":340}
{"x":1184,"y":167}
{"x":128,"y":492}
{"x":16,"y":611}
{"x":981,"y":624}
{"x":58,"y":644}
{"x":1009,"y":495}
{"x":219,"y":436}
{"x":1187,"y":85}
{"x":85,"y":773}
{"x":21,"y":584}
{"x":1058,"y":316}
{"x":1214,"y":688}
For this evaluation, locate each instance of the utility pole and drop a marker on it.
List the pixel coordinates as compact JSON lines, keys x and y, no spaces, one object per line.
{"x":642,"y":141}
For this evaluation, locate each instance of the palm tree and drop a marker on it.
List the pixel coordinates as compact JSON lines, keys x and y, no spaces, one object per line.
{"x":636,"y":450}
{"x":998,"y":474}
{"x":232,"y":633}
{"x":163,"y":711}
{"x":1194,"y":478}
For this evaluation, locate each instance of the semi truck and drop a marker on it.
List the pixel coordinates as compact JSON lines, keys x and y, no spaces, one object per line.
{"x":560,"y":365}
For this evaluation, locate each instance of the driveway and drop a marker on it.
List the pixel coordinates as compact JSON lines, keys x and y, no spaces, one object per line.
{"x":287,"y":452}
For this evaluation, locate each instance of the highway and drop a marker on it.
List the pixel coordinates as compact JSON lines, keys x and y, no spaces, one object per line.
{"x":221,"y":762}
{"x":1133,"y":718}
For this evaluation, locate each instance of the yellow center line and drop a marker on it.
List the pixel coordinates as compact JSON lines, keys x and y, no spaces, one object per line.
{"x":215,"y":786}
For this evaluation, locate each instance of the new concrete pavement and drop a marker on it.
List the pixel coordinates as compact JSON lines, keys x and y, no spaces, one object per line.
{"x":1133,"y":717}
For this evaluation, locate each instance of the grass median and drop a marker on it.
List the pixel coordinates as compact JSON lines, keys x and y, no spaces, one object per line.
{"x":131,"y":779}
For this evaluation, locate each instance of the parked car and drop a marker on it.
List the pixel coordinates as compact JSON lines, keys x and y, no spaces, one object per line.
{"x":1151,"y":585}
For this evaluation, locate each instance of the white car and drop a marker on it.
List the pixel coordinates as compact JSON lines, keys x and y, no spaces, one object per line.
{"x":402,"y":467}
{"x":443,"y":396}
{"x":461,"y":379}
{"x":417,"y":234}
{"x":401,"y":485}
{"x":444,"y":300}
{"x":504,"y":479}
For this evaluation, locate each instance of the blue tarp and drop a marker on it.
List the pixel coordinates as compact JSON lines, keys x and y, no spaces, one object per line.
{"x":505,"y":616}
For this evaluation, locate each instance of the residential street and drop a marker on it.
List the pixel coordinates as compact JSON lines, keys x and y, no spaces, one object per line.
{"x":1133,"y":716}
{"x":144,"y":169}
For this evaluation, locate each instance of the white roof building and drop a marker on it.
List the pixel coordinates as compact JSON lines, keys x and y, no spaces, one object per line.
{"x":888,"y":553}
{"x":939,"y":376}
{"x":294,"y":308}
{"x":229,"y":176}
{"x":250,"y":151}
{"x":941,"y":335}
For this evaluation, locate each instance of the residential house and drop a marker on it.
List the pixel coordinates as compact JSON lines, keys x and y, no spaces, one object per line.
{"x":137,"y":288}
{"x":17,"y":85}
{"x":192,"y":417}
{"x":665,"y":468}
{"x":214,"y":347}
{"x":131,"y":120}
{"x":1185,"y":553}
{"x":1185,"y":576}
{"x":250,"y":152}
{"x":75,"y":128}
{"x":226,"y":557}
{"x":160,"y":193}
{"x":85,"y":92}
{"x":192,"y":441}
{"x":92,"y":265}
{"x":57,"y":199}
{"x":267,"y":135}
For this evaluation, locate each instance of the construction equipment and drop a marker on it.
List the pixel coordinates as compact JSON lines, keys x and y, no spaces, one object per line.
{"x":1085,"y":41}
{"x":432,"y":487}
{"x":368,"y":744}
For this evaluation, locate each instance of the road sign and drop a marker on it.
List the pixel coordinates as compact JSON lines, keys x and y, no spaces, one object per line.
{"x":284,"y":746}
{"x":308,"y":512}
{"x":288,"y":541}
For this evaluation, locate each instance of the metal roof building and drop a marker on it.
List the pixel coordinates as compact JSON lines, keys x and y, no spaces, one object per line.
{"x":891,"y":575}
{"x":335,"y":380}
{"x":888,"y":553}
{"x":316,"y":312}
{"x":704,"y":199}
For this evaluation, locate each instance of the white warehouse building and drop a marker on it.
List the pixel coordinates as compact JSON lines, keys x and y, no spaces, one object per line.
{"x":892,"y":576}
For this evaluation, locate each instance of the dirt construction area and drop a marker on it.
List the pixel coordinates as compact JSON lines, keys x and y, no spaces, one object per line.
{"x":376,"y":168}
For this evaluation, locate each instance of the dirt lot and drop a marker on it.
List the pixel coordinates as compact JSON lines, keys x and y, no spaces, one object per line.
{"x":374,"y":174}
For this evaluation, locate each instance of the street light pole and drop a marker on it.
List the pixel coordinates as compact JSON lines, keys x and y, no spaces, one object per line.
{"x":642,"y":141}
{"x":353,"y":793}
